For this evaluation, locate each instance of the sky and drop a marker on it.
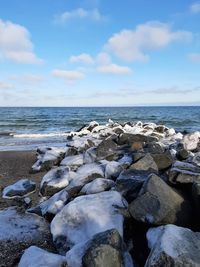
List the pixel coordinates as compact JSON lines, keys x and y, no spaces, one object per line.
{"x":99,"y":52}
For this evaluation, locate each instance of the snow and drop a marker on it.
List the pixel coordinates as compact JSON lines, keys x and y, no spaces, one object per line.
{"x":37,"y":257}
{"x":55,"y":203}
{"x":19,"y":186}
{"x":96,"y":186}
{"x":90,"y":155}
{"x":126,"y":160}
{"x":58,"y":177}
{"x":86,"y":173}
{"x":88,"y":215}
{"x":72,"y":161}
{"x":112,"y":169}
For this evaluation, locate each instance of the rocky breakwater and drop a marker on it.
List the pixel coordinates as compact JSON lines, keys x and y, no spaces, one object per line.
{"x":116,"y":195}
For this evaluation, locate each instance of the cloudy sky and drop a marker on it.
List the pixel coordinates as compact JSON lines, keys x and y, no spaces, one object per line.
{"x":99,"y":52}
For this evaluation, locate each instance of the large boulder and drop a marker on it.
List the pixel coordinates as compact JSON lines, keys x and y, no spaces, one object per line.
{"x":37,"y":257}
{"x":19,"y":189}
{"x":106,"y":149}
{"x":158,"y":204}
{"x":173,"y":246}
{"x":112,"y":169}
{"x":19,"y":231}
{"x":55,"y":180}
{"x":86,"y":216}
{"x":96,"y":186}
{"x":190,"y":141}
{"x":146,"y":163}
{"x":129,"y":138}
{"x":73,"y":162}
{"x":163,"y":160}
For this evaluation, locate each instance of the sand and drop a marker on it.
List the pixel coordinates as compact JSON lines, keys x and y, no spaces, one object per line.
{"x":15,"y":165}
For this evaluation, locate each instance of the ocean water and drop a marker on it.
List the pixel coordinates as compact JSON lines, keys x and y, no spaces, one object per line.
{"x":27,"y":128}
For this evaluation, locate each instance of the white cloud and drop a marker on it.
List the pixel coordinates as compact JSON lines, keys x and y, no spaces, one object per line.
{"x":69,"y":75}
{"x":15,"y":44}
{"x":195,"y":57}
{"x":4,"y":85}
{"x":79,"y":13}
{"x":82,"y":58}
{"x":103,"y":59}
{"x":114,"y":69}
{"x":195,"y":8}
{"x":133,"y":45}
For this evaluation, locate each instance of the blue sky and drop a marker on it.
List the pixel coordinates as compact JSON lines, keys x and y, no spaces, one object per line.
{"x":99,"y":52}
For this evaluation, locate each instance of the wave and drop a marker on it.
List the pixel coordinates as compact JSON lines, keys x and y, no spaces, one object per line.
{"x":38,"y":135}
{"x":6,"y":134}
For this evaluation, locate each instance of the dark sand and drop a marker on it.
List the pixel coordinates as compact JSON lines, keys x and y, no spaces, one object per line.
{"x":15,"y":165}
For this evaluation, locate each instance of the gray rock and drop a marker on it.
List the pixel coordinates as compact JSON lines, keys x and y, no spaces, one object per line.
{"x":106,"y":149}
{"x":196,"y":198}
{"x":19,"y":189}
{"x":105,"y":249}
{"x":173,"y":246}
{"x":96,"y":186}
{"x":146,"y":163}
{"x":155,"y":147}
{"x":196,"y":159}
{"x":90,"y":155}
{"x":37,"y":257}
{"x":190,"y":141}
{"x":55,"y":180}
{"x":128,"y":138}
{"x":19,"y":231}
{"x":183,"y":154}
{"x":73,"y":162}
{"x":163,"y":160}
{"x":158,"y":204}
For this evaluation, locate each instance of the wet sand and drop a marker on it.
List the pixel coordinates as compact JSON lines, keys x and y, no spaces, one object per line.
{"x":15,"y":165}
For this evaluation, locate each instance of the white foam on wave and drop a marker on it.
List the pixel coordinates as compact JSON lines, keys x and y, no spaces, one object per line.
{"x":40,"y":135}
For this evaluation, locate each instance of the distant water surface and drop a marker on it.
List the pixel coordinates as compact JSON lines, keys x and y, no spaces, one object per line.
{"x":35,"y":126}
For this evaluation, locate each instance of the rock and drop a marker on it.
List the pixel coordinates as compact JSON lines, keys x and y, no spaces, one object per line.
{"x":128,"y":138}
{"x":86,"y":216}
{"x":112,"y":169}
{"x":73,"y":162}
{"x":173,"y":246}
{"x":196,"y":159}
{"x":19,"y":231}
{"x":37,"y":257}
{"x":190,"y":141}
{"x":55,"y":180}
{"x":155,"y":148}
{"x":163,"y":160}
{"x":161,"y":128}
{"x":49,"y":157}
{"x":125,"y":161}
{"x":170,"y":132}
{"x":146,"y":163}
{"x":158,"y":203}
{"x":53,"y":205}
{"x":130,"y":182}
{"x":105,"y":249}
{"x":137,"y":146}
{"x":106,"y":149}
{"x":196,"y":198}
{"x":92,"y":125}
{"x":183,"y":154}
{"x":90,"y":155}
{"x":184,"y":173}
{"x":19,"y":189}
{"x":96,"y":186}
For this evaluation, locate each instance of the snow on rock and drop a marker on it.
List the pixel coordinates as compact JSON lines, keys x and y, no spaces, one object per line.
{"x":112,"y":168}
{"x":18,"y":231}
{"x":90,"y":155}
{"x":173,"y":246}
{"x":96,"y":186}
{"x":37,"y":257}
{"x":55,"y":180}
{"x":126,"y":160}
{"x":19,"y":189}
{"x":87,"y":173}
{"x":48,"y":157}
{"x":73,"y":162}
{"x":86,"y":216}
{"x":190,"y":141}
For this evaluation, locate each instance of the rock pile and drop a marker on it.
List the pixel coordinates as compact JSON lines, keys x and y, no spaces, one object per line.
{"x":111,"y":189}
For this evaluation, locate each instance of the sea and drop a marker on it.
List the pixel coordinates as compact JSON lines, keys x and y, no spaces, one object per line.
{"x":26,"y":128}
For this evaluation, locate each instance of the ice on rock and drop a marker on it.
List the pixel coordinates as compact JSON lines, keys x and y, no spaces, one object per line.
{"x":55,"y":180}
{"x":37,"y":257}
{"x":20,"y":189}
{"x":112,"y":168}
{"x":87,"y":173}
{"x":126,"y":160}
{"x":98,"y":185}
{"x":73,"y":161}
{"x":90,"y":155}
{"x":86,"y":216}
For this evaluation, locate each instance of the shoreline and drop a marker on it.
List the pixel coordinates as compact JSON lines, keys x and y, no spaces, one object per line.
{"x":15,"y":165}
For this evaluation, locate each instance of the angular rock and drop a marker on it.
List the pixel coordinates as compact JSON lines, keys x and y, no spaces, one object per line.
{"x":96,"y":186}
{"x":125,"y":161}
{"x":86,"y":216}
{"x":106,"y":149}
{"x":55,"y":180}
{"x":146,"y":163}
{"x":128,"y":138}
{"x":190,"y":141}
{"x":173,"y":246}
{"x":90,"y":155}
{"x":19,"y":231}
{"x":155,"y":147}
{"x":112,"y":169}
{"x":73,"y":162}
{"x":163,"y":160}
{"x":183,"y":154}
{"x":37,"y":257}
{"x":19,"y":189}
{"x":158,"y":204}
{"x":92,"y":125}
{"x":196,"y":159}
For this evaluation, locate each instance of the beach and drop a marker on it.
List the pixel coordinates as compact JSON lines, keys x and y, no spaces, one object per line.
{"x":15,"y":165}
